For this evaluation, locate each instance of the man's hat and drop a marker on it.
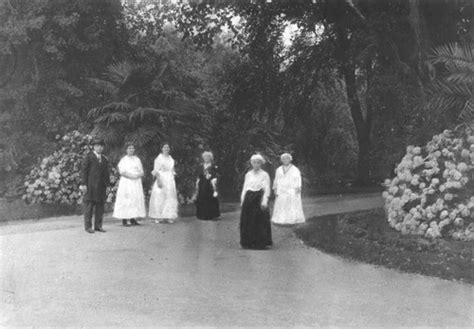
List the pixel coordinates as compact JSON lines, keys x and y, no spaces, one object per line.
{"x":97,"y":141}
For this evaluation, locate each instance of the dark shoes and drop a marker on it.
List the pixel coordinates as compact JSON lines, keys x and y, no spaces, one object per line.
{"x":91,"y":231}
{"x":133,"y":222}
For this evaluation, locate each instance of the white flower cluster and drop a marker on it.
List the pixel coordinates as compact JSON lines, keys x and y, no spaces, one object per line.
{"x":57,"y":177}
{"x":432,"y":192}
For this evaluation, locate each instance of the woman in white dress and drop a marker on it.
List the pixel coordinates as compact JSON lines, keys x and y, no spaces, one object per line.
{"x":130,"y":201}
{"x":288,"y":208}
{"x":164,"y":199}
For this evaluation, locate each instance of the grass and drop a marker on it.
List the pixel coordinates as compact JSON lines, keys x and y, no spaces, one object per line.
{"x":366,"y":236}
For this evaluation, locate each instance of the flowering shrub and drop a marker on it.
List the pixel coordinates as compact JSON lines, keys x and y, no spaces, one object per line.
{"x":432,"y":192}
{"x":57,"y":177}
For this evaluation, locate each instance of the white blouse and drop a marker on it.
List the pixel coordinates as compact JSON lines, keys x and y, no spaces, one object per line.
{"x":287,"y":181}
{"x":256,"y":181}
{"x":163,"y":164}
{"x":130,"y":165}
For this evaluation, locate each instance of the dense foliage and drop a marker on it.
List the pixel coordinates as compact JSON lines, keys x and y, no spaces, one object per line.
{"x":375,"y":52}
{"x":431,"y":194}
{"x":344,"y":85}
{"x":47,"y":50}
{"x":58,"y":176}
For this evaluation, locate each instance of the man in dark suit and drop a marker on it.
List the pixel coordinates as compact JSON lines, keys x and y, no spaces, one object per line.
{"x":95,"y":180}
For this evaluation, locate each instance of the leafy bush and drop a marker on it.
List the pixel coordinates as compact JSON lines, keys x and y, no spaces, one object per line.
{"x":57,"y":177}
{"x":431,"y":194}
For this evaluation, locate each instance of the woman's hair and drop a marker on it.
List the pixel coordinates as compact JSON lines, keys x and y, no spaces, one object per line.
{"x":286,"y":155}
{"x":128,"y":144}
{"x":257,"y":157}
{"x":163,"y":144}
{"x":209,"y":153}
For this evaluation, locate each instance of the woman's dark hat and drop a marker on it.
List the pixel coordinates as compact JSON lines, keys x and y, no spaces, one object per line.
{"x":97,"y":141}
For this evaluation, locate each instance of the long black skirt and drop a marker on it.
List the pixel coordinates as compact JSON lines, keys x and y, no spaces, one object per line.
{"x":255,"y":226}
{"x":207,"y":206}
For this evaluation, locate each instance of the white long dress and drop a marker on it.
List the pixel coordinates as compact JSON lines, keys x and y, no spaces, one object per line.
{"x":288,"y":208}
{"x":130,"y":201}
{"x":164,"y":199}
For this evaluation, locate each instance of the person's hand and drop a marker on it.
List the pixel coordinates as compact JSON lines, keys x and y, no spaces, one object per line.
{"x":194,"y":198}
{"x":264,"y":204}
{"x":298,"y":190}
{"x":159,"y":183}
{"x":83,"y":188}
{"x":215,"y":194}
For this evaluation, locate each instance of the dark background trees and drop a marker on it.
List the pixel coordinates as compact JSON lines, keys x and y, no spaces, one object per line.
{"x":48,"y":49}
{"x":343,"y":84}
{"x":378,"y":50}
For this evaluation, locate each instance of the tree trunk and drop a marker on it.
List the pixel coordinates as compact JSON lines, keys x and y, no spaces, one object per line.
{"x":362,"y":125}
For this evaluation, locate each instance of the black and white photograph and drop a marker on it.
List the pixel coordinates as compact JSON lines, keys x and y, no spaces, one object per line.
{"x":237,"y":163}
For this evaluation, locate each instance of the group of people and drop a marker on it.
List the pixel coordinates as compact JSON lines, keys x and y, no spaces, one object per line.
{"x":255,"y":219}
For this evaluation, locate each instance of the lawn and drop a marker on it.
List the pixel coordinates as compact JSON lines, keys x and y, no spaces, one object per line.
{"x":366,"y":236}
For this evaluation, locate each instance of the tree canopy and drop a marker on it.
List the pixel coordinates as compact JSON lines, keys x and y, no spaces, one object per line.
{"x":345,"y":85}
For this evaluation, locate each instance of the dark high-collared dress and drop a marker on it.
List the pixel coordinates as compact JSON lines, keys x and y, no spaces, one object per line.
{"x":207,"y":206}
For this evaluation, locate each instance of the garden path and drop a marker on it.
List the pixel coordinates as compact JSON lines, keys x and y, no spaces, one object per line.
{"x":193,"y":274}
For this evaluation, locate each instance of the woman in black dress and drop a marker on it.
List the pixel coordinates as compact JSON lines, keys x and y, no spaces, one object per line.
{"x":255,"y":227}
{"x":207,"y":204}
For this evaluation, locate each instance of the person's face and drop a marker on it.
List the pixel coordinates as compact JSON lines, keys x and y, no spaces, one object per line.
{"x":130,"y":150}
{"x":98,"y":148}
{"x":207,"y":158}
{"x":286,"y":160}
{"x":256,"y":164}
{"x":166,"y":149}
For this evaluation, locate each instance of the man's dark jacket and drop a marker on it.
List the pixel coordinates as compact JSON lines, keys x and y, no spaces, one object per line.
{"x":95,"y":175}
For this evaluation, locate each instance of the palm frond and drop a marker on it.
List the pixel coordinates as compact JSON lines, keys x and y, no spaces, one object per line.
{"x":111,"y":118}
{"x":462,"y":90}
{"x":455,"y":89}
{"x":467,"y":113}
{"x":144,"y":135}
{"x":109,"y":108}
{"x":455,"y":55}
{"x":95,"y":112}
{"x":112,"y":137}
{"x":117,"y":107}
{"x":119,"y":72}
{"x":141,"y":113}
{"x":461,"y":78}
{"x":103,"y":85}
{"x":445,"y":102}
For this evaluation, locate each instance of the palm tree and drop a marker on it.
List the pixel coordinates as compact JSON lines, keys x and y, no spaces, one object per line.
{"x":145,"y":102}
{"x":454,"y":88}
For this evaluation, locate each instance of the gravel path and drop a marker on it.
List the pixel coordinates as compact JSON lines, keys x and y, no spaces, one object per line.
{"x":193,"y":274}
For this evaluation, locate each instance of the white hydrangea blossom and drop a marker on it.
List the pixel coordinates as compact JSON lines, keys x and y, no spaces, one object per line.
{"x":58,"y":176}
{"x":430,"y":194}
